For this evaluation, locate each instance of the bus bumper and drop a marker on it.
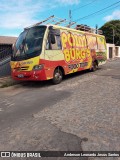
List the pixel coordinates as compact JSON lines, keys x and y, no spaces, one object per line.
{"x":29,"y":75}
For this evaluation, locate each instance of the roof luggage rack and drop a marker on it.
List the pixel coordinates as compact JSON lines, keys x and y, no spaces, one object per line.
{"x":55,"y":21}
{"x":86,"y":28}
{"x":58,"y":21}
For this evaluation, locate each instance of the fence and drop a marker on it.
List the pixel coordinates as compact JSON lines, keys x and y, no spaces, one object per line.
{"x":5,"y":54}
{"x":5,"y":51}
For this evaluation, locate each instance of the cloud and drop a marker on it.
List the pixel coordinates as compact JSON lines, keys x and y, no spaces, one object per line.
{"x":18,"y":20}
{"x":68,"y":2}
{"x":17,"y":14}
{"x":114,"y":15}
{"x":21,"y":13}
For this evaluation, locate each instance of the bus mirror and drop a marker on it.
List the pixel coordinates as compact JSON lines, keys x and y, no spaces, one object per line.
{"x":52,"y":39}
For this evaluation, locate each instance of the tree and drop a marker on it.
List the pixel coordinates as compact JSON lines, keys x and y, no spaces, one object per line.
{"x":111,"y":30}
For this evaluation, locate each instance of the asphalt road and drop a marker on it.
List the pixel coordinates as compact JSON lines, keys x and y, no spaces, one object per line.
{"x":80,"y":114}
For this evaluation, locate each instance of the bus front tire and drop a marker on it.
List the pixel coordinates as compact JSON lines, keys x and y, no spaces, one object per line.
{"x":58,"y":76}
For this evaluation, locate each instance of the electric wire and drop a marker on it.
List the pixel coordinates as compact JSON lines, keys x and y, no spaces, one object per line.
{"x":100,"y":13}
{"x":73,"y":10}
{"x":97,"y":11}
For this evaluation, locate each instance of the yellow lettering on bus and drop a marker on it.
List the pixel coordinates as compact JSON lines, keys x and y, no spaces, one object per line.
{"x":84,"y":41}
{"x":69,"y":40}
{"x":83,"y":54}
{"x":72,"y":53}
{"x":78,"y":54}
{"x":76,"y":40}
{"x":67,"y":55}
{"x":73,"y":40}
{"x":88,"y":53}
{"x":64,"y":39}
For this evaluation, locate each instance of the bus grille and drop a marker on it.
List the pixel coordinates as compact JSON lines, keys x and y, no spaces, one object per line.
{"x":22,"y":68}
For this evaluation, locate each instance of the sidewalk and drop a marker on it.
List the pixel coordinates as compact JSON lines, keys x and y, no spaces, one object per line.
{"x":113,"y":59}
{"x":7,"y":81}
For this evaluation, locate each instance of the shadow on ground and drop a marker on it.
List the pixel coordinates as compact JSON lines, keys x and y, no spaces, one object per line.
{"x":40,"y":84}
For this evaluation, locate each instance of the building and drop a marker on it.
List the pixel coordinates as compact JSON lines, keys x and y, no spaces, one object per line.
{"x":117,"y":51}
{"x":6,"y":46}
{"x":5,"y":54}
{"x":112,"y":51}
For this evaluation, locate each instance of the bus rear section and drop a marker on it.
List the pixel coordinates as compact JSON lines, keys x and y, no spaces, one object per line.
{"x":49,"y":52}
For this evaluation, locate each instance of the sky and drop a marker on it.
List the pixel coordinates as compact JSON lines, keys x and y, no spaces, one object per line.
{"x":15,"y":15}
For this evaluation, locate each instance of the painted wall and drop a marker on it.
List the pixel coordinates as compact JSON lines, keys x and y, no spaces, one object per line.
{"x":112,"y":51}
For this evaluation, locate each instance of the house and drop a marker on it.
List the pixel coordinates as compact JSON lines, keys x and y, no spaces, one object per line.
{"x":112,"y":51}
{"x":6,"y":46}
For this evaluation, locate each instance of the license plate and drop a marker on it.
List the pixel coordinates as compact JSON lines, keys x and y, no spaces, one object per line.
{"x":20,"y":75}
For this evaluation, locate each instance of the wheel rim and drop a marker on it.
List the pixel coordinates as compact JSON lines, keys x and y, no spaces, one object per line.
{"x":58,"y":76}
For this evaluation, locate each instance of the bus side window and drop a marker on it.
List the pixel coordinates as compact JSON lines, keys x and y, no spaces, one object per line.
{"x":54,"y":41}
{"x":58,"y":42}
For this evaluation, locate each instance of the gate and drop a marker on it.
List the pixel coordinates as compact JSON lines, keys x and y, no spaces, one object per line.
{"x":5,"y":54}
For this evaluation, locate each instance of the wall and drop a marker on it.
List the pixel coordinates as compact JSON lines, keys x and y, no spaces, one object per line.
{"x":112,"y":51}
{"x":117,"y":51}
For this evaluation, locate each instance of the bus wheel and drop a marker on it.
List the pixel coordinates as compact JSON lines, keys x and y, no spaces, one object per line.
{"x":94,"y":66}
{"x":58,"y":76}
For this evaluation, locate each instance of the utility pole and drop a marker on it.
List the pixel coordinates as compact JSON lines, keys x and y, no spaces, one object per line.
{"x":113,"y":36}
{"x":113,"y":33}
{"x":70,"y":17}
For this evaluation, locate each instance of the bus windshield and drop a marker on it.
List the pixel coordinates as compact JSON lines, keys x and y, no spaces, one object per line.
{"x":29,"y":43}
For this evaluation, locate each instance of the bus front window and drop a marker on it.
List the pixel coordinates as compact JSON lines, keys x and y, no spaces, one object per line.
{"x":29,"y":43}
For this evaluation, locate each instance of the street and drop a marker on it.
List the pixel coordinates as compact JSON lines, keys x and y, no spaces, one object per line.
{"x":80,"y":114}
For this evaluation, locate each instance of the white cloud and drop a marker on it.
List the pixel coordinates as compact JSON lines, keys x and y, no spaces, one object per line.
{"x":68,"y":2}
{"x":18,"y":20}
{"x":114,"y":15}
{"x":21,"y":13}
{"x":17,"y":14}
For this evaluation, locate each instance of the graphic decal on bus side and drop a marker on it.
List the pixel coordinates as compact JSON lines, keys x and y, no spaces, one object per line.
{"x":76,"y":53}
{"x":74,"y":47}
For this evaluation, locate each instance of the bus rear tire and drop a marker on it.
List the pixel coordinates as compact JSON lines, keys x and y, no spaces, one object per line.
{"x":58,"y":76}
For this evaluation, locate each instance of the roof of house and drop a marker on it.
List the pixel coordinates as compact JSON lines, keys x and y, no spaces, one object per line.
{"x":7,"y":40}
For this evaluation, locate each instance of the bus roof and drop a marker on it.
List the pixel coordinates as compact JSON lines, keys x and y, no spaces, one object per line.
{"x":66,"y":28}
{"x":74,"y":30}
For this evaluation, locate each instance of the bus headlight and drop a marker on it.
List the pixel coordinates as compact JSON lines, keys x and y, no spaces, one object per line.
{"x":38,"y":67}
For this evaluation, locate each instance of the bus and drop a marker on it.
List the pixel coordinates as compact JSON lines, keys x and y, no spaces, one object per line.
{"x":44,"y":52}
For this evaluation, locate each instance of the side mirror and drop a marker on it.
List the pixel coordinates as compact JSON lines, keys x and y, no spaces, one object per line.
{"x":52,"y":38}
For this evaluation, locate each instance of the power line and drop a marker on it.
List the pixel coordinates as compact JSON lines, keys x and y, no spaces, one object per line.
{"x":96,"y":12}
{"x":102,"y":12}
{"x":73,"y":10}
